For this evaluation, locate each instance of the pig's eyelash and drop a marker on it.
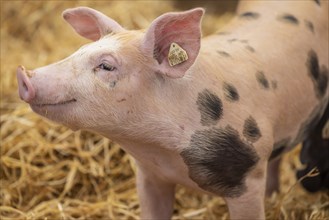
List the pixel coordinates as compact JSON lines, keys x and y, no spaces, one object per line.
{"x":106,"y":67}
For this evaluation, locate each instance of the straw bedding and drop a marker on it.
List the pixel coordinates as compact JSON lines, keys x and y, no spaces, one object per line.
{"x":50,"y":172}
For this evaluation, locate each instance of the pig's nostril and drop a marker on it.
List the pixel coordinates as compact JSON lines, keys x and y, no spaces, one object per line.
{"x":25,"y":86}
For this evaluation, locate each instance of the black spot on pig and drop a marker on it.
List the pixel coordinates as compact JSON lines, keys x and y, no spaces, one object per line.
{"x":250,"y":48}
{"x":315,"y":153}
{"x":250,"y":130}
{"x":313,"y":64}
{"x":231,"y":93}
{"x":317,"y":2}
{"x":309,"y":25}
{"x":263,"y":82}
{"x":218,"y":161}
{"x":279,"y":148}
{"x":244,"y":41}
{"x":288,"y":18}
{"x":274,"y":84}
{"x":113,"y":84}
{"x":318,"y":76}
{"x":210,"y":107}
{"x":223,"y":53}
{"x":250,"y":15}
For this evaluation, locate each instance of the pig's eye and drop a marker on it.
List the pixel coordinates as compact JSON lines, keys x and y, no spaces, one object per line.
{"x":106,"y":67}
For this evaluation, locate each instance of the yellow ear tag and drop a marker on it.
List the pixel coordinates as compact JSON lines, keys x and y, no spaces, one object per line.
{"x":176,"y":54}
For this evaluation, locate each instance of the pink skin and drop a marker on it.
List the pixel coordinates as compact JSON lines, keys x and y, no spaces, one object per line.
{"x":122,"y":87}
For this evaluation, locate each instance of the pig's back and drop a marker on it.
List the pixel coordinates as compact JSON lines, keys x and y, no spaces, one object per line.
{"x":276,"y":54}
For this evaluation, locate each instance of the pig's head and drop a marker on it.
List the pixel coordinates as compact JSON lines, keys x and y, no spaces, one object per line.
{"x":116,"y":79}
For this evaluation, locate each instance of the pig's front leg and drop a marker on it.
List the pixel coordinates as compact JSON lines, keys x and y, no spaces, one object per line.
{"x":250,"y":205}
{"x":155,"y":194}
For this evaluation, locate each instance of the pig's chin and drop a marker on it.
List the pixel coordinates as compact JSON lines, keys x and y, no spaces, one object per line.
{"x":58,"y":112}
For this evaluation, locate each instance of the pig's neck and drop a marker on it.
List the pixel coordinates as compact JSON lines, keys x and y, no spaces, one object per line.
{"x":157,"y":134}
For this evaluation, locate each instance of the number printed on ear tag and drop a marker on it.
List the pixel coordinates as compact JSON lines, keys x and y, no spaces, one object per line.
{"x":176,"y":54}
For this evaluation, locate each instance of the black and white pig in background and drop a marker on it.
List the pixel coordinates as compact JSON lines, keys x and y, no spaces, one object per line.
{"x":213,"y":114}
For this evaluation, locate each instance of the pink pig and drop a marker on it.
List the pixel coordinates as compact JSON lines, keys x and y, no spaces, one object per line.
{"x":205,"y":114}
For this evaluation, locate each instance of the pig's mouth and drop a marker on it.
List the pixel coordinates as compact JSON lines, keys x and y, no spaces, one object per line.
{"x":58,"y":111}
{"x":40,"y":105}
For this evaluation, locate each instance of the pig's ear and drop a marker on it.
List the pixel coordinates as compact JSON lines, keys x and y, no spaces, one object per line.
{"x":90,"y":23}
{"x":179,"y":33}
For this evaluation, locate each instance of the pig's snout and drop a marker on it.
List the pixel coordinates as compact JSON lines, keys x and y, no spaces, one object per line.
{"x":25,"y":87}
